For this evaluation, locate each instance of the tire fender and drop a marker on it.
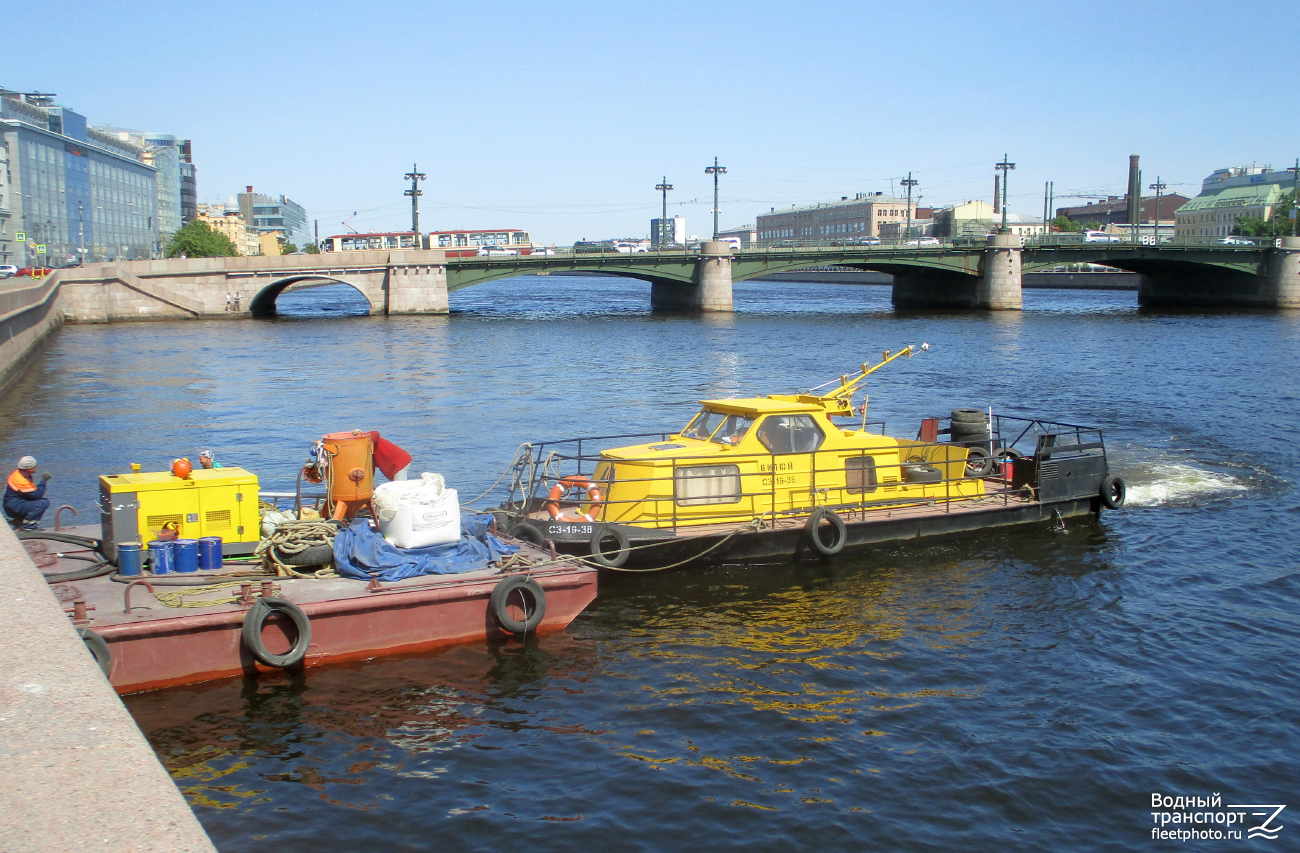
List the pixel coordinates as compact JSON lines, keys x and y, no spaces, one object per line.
{"x":839,"y":531}
{"x":1112,"y":492}
{"x":526,"y":531}
{"x":610,"y":559}
{"x":256,"y":617}
{"x":528,"y":588}
{"x":98,"y":648}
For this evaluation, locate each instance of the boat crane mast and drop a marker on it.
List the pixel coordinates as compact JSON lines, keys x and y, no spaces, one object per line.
{"x":840,"y":401}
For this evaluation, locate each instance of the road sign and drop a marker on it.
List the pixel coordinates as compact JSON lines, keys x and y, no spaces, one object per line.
{"x":21,"y":237}
{"x":40,"y":249}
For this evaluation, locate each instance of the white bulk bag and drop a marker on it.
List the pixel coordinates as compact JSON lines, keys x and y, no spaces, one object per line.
{"x":417,"y":513}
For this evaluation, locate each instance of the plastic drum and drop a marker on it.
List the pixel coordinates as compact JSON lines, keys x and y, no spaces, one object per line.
{"x":161,"y":558}
{"x":209,"y":553}
{"x":187,"y":555}
{"x":130,"y":559}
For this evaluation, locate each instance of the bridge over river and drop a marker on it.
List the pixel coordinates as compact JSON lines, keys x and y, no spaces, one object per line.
{"x":976,"y":277}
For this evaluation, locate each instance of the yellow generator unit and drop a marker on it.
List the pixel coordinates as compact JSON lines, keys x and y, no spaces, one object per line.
{"x":209,"y":502}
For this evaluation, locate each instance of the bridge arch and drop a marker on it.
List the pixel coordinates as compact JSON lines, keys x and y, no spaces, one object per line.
{"x":263,"y":302}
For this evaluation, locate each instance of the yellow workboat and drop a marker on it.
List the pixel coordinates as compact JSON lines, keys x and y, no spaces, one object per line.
{"x":788,"y":475}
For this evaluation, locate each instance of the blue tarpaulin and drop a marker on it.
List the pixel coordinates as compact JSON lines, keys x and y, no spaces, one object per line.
{"x":361,"y":553}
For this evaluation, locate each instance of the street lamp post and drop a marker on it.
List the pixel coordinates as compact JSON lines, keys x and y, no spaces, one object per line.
{"x":1006,"y":167}
{"x":715,"y":170}
{"x":909,"y":183}
{"x":664,"y":187}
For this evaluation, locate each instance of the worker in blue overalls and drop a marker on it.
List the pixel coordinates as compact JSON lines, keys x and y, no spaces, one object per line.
{"x":25,"y":501}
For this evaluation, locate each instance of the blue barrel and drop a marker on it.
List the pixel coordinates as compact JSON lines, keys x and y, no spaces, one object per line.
{"x":187,"y":555}
{"x":161,"y":560}
{"x":130,"y":559}
{"x":210,"y":555}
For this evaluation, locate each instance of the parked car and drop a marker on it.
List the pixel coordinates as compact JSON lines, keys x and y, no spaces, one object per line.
{"x":495,"y":251}
{"x":1236,"y":241}
{"x":1101,"y":237}
{"x":8,"y":270}
{"x":34,"y":272}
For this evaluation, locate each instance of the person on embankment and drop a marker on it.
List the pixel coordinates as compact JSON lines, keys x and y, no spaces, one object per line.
{"x":25,"y":501}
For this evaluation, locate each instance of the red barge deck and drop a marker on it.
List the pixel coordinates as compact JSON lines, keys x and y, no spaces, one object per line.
{"x":151,"y":644}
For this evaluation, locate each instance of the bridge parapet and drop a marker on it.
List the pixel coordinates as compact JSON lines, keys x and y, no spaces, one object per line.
{"x":393,"y":282}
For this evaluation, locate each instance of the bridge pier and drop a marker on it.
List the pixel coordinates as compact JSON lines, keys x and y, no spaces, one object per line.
{"x":711,"y":290}
{"x":1284,"y":274}
{"x":995,"y":287}
{"x":414,"y":285}
{"x":999,"y":287}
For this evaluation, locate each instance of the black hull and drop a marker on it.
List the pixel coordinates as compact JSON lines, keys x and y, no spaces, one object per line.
{"x":793,"y":544}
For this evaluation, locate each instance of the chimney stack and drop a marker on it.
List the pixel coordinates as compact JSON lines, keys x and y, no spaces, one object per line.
{"x":1134,"y":189}
{"x":997,"y":194}
{"x":249,"y":188}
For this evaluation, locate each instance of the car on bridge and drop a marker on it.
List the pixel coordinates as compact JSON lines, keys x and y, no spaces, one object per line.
{"x":495,"y":251}
{"x":1236,"y":241}
{"x":542,"y":250}
{"x":924,"y":241}
{"x":1101,"y":237}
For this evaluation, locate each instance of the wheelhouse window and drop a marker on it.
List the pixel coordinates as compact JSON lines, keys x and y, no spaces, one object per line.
{"x":860,"y":474}
{"x":718,"y":427}
{"x":706,"y":484}
{"x":782,"y":434}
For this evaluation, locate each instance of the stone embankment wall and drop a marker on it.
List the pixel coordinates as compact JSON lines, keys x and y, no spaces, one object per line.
{"x":29,"y":312}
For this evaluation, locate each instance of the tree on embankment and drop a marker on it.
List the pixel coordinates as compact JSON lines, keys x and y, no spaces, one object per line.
{"x":197,"y":239}
{"x":1279,"y":224}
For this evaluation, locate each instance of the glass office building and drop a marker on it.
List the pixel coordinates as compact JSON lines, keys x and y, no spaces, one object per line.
{"x":74,"y":194}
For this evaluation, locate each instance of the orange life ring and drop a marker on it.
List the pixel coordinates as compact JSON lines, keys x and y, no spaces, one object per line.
{"x":560,"y":489}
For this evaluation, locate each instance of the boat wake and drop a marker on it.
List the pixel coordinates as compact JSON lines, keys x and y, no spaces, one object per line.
{"x":1167,"y":483}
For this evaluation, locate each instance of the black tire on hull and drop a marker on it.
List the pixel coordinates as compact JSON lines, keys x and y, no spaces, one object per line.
{"x":1113,"y":492}
{"x":528,"y":588}
{"x":256,"y":618}
{"x":526,"y":531}
{"x":839,"y":531}
{"x":610,"y":559}
{"x":98,"y":648}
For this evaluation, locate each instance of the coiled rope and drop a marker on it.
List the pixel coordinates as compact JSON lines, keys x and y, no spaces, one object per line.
{"x":291,"y":538}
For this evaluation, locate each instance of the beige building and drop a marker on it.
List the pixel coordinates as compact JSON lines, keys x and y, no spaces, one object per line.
{"x":973,"y":219}
{"x":846,"y":219}
{"x":229,"y":222}
{"x":270,"y":242}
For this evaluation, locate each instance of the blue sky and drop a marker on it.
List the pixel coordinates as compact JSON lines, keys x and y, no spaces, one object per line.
{"x":561,"y":117}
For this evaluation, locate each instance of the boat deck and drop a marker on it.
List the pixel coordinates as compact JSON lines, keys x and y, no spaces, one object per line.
{"x":181,"y":628}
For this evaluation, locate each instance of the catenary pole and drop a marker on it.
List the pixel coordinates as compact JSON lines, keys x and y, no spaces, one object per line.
{"x":663,"y":187}
{"x":415,"y":176}
{"x":715,"y":170}
{"x":1006,"y":166}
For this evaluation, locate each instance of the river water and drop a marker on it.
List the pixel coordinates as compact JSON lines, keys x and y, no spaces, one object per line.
{"x":1026,"y":691}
